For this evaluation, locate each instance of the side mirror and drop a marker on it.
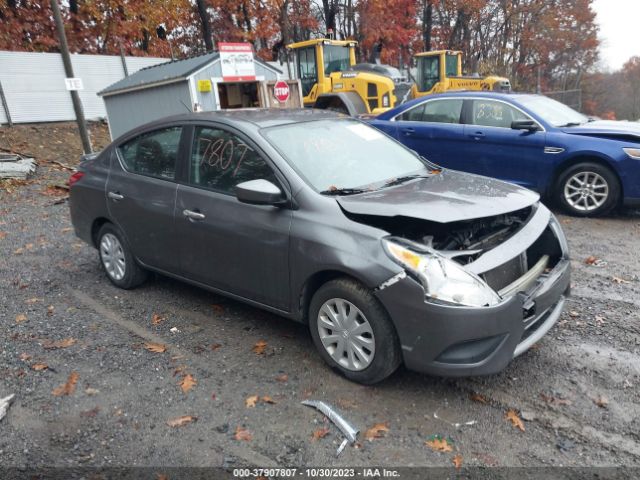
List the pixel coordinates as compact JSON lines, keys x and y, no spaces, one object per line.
{"x":259,"y":192}
{"x":529,"y":125}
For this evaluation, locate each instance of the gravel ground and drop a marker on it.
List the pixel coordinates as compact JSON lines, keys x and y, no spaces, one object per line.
{"x":89,"y":392}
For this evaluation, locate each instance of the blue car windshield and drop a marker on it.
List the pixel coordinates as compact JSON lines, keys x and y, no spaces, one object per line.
{"x":343,"y":154}
{"x":552,"y":111}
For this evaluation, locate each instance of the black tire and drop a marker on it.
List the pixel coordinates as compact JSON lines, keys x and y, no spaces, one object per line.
{"x":611,"y":202}
{"x":387,"y":354}
{"x":134,"y":275}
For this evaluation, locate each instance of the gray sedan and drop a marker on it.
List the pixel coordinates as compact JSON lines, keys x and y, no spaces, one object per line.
{"x":325,"y":220}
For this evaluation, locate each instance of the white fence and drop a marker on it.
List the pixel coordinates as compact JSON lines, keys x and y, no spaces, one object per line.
{"x":35,"y":90}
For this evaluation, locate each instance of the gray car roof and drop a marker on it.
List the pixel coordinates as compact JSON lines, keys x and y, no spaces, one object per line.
{"x":173,"y":70}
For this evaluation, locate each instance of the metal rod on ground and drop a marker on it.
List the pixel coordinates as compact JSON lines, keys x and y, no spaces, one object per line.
{"x":6,"y":106}
{"x":68,"y":69}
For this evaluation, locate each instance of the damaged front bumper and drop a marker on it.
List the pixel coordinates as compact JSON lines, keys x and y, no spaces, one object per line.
{"x":447,"y":340}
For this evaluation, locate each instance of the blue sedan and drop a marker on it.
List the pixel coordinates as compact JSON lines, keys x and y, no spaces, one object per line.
{"x":588,"y":167}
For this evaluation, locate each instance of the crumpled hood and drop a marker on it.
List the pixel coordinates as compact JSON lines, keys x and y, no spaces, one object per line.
{"x":609,"y":128}
{"x":449,"y":196}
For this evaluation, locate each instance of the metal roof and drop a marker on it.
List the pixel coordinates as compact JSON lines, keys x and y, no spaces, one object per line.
{"x":169,"y":72}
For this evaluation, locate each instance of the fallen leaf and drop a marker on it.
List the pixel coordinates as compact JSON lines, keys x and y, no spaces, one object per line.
{"x":39,"y":366}
{"x":3,"y":235}
{"x":187,"y":383}
{"x":67,"y":342}
{"x":161,"y":476}
{"x":574,"y":314}
{"x":478,"y":397}
{"x":513,"y":417}
{"x":555,"y":400}
{"x":50,"y":310}
{"x":250,"y":402}
{"x":218,"y":309}
{"x":215,"y":346}
{"x":619,"y":280}
{"x":33,"y":300}
{"x":282,"y":377}
{"x":268,"y":399}
{"x":320,"y":433}
{"x":590,"y":260}
{"x":259,"y":347}
{"x":601,"y":401}
{"x":156,"y":319}
{"x":21,"y":318}
{"x":439,"y":444}
{"x":155,"y":347}
{"x":68,"y":388}
{"x":180,"y":421}
{"x":90,"y":413}
{"x":243,"y":434}
{"x":457,"y":461}
{"x":379,"y":430}
{"x":25,"y":356}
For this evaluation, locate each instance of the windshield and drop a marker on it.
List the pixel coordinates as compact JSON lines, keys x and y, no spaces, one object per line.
{"x":336,"y":58}
{"x":342,"y":154}
{"x":554,"y":112}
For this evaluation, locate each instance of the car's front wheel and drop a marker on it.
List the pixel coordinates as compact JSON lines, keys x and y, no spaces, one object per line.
{"x":588,"y":189}
{"x":117,"y":259}
{"x":353,"y":332}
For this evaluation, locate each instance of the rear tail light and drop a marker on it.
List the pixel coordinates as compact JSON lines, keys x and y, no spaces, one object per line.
{"x":74,"y":178}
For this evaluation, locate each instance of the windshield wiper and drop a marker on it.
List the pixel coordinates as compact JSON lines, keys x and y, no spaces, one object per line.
{"x":344,"y":191}
{"x":399,"y":180}
{"x":571,"y":124}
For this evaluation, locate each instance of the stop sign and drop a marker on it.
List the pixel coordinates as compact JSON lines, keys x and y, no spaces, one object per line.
{"x":281,"y":91}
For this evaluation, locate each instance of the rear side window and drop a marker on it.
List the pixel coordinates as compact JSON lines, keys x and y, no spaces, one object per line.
{"x":153,"y":154}
{"x":435,"y":111}
{"x":221,"y":160}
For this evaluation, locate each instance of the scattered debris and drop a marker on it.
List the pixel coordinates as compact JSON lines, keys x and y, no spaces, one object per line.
{"x":601,"y":401}
{"x":259,"y":347}
{"x":67,"y":388}
{"x":243,"y":434}
{"x":39,"y":366}
{"x":379,"y":430}
{"x":439,"y":443}
{"x":528,"y":416}
{"x":513,"y":417}
{"x":251,"y":401}
{"x":91,"y":391}
{"x":52,"y":345}
{"x":453,"y":424}
{"x":551,"y":400}
{"x":282,"y":378}
{"x":320,"y":433}
{"x":4,"y":405}
{"x":155,"y":347}
{"x":174,"y":330}
{"x":180,"y":421}
{"x":187,"y":383}
{"x":619,"y":280}
{"x":21,"y":318}
{"x":564,"y":444}
{"x":345,"y":427}
{"x":457,"y":461}
{"x":16,"y":166}
{"x":594,"y":261}
{"x":156,"y":319}
{"x":478,"y":397}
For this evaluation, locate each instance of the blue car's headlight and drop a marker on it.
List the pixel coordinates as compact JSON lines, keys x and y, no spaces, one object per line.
{"x":633,"y":152}
{"x":442,"y":278}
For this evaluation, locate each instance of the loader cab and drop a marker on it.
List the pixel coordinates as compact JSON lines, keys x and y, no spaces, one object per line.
{"x":315,"y":60}
{"x":433,"y":68}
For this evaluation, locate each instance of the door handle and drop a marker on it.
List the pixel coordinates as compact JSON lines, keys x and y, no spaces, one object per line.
{"x":477,"y":135}
{"x":191,"y":215}
{"x":408,"y":131}
{"x":115,"y":196}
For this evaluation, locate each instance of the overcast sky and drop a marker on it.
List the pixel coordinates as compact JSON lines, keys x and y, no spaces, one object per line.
{"x":618,"y":20}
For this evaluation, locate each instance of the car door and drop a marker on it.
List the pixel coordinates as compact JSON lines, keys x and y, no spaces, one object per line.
{"x":433,"y":130}
{"x":240,"y":248}
{"x":141,"y":192}
{"x":498,"y":150}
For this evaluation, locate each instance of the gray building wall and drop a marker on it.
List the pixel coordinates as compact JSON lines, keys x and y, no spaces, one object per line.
{"x":206,"y":99}
{"x":129,"y":110}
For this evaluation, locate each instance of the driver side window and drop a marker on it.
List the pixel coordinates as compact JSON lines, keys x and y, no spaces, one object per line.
{"x":221,"y":160}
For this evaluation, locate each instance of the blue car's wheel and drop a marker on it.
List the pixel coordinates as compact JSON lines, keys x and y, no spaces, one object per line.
{"x":587,"y":189}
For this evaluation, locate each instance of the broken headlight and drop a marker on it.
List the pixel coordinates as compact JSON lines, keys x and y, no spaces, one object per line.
{"x":442,"y":278}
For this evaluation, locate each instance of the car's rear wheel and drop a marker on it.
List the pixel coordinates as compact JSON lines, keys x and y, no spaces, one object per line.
{"x":353,"y":332}
{"x":117,"y":260}
{"x":588,"y":189}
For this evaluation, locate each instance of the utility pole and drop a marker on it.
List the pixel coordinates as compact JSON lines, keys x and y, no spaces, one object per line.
{"x":68,"y":69}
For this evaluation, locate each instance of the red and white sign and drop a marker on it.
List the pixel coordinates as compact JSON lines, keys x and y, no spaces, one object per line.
{"x":281,"y":91}
{"x":236,"y":60}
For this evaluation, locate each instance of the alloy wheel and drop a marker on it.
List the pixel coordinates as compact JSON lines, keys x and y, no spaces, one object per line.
{"x":346,"y":334}
{"x":586,"y":191}
{"x":112,"y":256}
